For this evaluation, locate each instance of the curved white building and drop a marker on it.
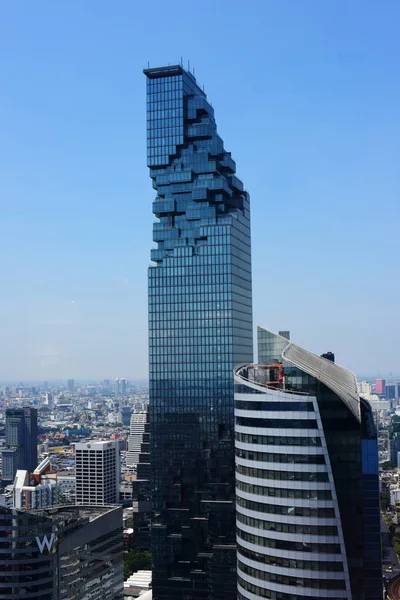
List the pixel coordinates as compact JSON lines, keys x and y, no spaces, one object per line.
{"x":291,"y":543}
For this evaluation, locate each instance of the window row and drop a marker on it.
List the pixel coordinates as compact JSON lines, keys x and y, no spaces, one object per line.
{"x":270,"y":594}
{"x":318,"y":584}
{"x":273,"y":440}
{"x":316,"y":459}
{"x":221,"y":319}
{"x":177,"y":294}
{"x":164,"y":98}
{"x":160,"y":155}
{"x":175,"y":274}
{"x":281,"y":475}
{"x":191,"y":269}
{"x":260,"y":490}
{"x":290,"y":563}
{"x":187,"y":330}
{"x":159,"y":305}
{"x":197,"y":294}
{"x":297,"y":511}
{"x":160,"y":84}
{"x":158,"y":148}
{"x":286,"y":527}
{"x":293,"y":406}
{"x":163,"y":145}
{"x":277,"y":423}
{"x":164,"y":118}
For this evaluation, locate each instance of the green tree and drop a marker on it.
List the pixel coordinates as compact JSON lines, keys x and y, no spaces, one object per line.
{"x":136,"y":560}
{"x":387,"y":465}
{"x":385,"y":499}
{"x":396,"y":545}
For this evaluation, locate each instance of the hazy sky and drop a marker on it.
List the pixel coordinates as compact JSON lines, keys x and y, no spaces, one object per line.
{"x":307,"y":99}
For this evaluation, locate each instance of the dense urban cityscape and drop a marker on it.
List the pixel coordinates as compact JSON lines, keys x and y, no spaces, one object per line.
{"x":243,"y":465}
{"x":91,"y":461}
{"x":114,"y":475}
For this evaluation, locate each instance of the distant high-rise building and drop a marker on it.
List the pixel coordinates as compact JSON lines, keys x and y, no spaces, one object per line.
{"x":143,"y":466}
{"x":97,"y":473}
{"x":68,"y":552}
{"x":200,"y":327}
{"x":135,"y":438}
{"x":117,"y":386}
{"x":106,"y":383}
{"x":21,"y":441}
{"x":61,"y":399}
{"x":392,"y":391}
{"x":45,"y":386}
{"x":124,"y":416}
{"x":307,"y":479}
{"x":141,"y":494}
{"x":394,"y":440}
{"x":49,"y":400}
{"x":380,"y":386}
{"x":71,"y":385}
{"x":123,"y":386}
{"x":364,"y":388}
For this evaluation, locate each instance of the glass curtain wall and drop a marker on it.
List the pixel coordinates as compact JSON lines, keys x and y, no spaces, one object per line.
{"x":200,"y":327}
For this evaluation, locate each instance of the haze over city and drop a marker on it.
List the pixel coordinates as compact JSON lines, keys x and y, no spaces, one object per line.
{"x":307,"y":99}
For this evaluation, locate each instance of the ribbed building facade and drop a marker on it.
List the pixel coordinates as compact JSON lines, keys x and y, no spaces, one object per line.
{"x":307,"y":488}
{"x":135,"y":438}
{"x":200,"y":327}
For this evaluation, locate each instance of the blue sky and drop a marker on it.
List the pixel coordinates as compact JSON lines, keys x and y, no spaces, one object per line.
{"x":306,"y":97}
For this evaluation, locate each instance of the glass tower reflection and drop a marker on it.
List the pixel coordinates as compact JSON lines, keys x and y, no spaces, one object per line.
{"x":200,"y":327}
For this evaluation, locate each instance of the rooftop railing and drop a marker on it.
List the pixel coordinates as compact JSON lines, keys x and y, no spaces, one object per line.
{"x":260,"y":375}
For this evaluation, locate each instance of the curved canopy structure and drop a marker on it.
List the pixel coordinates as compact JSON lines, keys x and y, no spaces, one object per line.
{"x":338,"y":379}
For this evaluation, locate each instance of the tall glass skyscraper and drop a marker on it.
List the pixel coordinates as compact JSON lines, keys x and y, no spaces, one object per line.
{"x":200,"y":327}
{"x":308,"y":517}
{"x":21,"y":442}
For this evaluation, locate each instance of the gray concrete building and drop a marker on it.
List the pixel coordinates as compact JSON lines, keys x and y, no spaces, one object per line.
{"x":97,"y":473}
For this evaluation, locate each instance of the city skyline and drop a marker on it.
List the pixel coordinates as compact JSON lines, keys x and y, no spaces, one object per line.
{"x":317,"y":92}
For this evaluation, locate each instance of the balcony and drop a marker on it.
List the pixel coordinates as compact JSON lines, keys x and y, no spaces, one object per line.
{"x":267,"y":376}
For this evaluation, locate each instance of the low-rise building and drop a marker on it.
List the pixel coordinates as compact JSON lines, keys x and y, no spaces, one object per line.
{"x":137,"y":583}
{"x":42,"y":488}
{"x":394,"y":497}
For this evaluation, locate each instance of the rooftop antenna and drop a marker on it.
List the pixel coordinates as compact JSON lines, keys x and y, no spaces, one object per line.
{"x":148,"y":64}
{"x":181,"y":61}
{"x":189,"y":66}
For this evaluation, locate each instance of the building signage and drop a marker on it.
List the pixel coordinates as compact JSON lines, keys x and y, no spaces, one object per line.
{"x":45,"y":542}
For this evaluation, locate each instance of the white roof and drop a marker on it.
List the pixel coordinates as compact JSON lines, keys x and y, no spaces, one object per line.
{"x":41,"y":466}
{"x":140,"y":579}
{"x":96,"y":445}
{"x":21,"y":478}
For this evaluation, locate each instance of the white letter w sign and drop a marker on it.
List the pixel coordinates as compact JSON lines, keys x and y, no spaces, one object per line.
{"x":45,"y":542}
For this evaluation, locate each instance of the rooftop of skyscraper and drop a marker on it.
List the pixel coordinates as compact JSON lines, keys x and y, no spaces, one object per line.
{"x":89,"y":513}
